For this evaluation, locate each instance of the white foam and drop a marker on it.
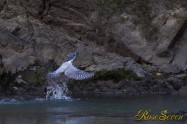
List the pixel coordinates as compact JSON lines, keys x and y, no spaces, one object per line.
{"x":57,"y":91}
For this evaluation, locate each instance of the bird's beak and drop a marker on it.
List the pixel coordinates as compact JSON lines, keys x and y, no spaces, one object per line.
{"x":77,"y":53}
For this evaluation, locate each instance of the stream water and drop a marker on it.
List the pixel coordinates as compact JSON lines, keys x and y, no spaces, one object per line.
{"x":18,"y":110}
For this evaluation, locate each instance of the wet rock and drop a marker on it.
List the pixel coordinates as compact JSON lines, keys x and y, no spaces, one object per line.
{"x":19,"y":91}
{"x":175,"y":82}
{"x":19,"y":80}
{"x":136,"y":68}
{"x":181,"y":76}
{"x":129,"y":88}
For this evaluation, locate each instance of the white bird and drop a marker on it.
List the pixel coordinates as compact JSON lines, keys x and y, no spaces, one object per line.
{"x":70,"y":71}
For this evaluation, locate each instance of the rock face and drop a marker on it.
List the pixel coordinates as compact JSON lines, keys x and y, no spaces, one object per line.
{"x":154,"y":37}
{"x":109,"y":35}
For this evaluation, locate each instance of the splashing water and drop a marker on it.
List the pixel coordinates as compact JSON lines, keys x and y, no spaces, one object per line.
{"x":57,"y":91}
{"x":57,"y":88}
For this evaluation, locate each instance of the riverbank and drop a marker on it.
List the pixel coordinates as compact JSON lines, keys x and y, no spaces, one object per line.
{"x":152,"y":85}
{"x":118,"y":83}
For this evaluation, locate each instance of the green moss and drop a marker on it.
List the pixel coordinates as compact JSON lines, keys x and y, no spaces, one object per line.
{"x":31,"y":79}
{"x":41,"y":72}
{"x":35,"y":77}
{"x":115,"y":75}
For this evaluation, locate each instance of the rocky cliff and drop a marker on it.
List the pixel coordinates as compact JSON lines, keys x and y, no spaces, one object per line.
{"x":143,"y":37}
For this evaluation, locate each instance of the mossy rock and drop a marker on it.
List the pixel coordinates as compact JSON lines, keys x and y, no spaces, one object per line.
{"x":29,"y":76}
{"x":116,"y":76}
{"x":41,"y":72}
{"x":35,"y":77}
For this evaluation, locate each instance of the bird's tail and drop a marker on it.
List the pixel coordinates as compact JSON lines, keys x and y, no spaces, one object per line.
{"x":52,"y":74}
{"x":92,"y":75}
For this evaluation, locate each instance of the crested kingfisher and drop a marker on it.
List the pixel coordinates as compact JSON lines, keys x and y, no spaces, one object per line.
{"x":69,"y":70}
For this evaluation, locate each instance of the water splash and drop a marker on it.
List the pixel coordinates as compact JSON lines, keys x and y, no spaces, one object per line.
{"x":57,"y":88}
{"x":57,"y":91}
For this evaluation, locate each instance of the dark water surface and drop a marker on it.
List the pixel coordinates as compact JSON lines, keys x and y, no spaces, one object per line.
{"x":87,"y":110}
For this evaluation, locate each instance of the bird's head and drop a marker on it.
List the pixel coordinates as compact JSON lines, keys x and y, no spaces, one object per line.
{"x":71,"y":56}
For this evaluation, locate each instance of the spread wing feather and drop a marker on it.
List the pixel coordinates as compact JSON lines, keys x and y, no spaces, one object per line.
{"x":77,"y":74}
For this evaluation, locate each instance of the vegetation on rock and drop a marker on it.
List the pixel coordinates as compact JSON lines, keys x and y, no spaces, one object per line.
{"x":115,"y":76}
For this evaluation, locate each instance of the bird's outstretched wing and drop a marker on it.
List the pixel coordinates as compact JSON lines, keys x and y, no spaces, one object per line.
{"x":77,"y":74}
